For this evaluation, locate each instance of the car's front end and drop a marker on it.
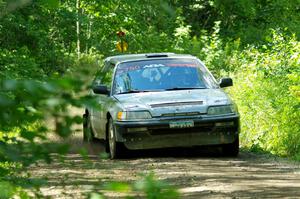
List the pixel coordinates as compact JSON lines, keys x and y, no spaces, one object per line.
{"x":177,"y":119}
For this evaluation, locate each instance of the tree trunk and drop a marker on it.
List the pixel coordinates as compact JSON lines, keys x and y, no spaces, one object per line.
{"x":89,"y":32}
{"x":78,"y":27}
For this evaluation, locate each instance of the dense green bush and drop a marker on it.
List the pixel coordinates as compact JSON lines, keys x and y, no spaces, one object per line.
{"x":267,"y":92}
{"x":249,"y":20}
{"x":18,"y":63}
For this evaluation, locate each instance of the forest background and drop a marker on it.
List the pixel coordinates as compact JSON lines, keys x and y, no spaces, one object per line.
{"x":50,"y":49}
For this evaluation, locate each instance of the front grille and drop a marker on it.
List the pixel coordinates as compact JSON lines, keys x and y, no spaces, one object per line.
{"x":201,"y":128}
{"x":176,"y":104}
{"x":180,"y":114}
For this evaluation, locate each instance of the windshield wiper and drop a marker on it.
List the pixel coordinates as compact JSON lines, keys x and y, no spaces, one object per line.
{"x":133,"y":91}
{"x":183,"y":88}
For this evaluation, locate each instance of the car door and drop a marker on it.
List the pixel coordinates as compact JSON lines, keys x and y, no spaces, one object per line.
{"x":98,"y":115}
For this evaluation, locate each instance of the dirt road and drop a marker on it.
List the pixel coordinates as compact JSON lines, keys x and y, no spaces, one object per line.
{"x":203,"y":174}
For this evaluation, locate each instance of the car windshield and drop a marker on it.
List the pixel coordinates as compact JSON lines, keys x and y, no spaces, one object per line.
{"x":161,"y":75}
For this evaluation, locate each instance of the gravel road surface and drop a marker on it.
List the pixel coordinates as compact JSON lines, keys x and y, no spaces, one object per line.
{"x":197,"y":174}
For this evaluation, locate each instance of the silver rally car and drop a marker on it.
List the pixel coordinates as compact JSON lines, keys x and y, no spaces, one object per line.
{"x":162,"y":100}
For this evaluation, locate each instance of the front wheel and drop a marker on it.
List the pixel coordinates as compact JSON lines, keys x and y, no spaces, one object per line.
{"x":113,"y":146}
{"x":232,"y":149}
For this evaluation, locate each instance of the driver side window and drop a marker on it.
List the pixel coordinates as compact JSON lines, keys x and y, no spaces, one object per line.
{"x":105,"y":76}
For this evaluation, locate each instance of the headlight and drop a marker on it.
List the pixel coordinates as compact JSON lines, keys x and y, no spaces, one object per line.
{"x":133,"y":115}
{"x":221,"y":110}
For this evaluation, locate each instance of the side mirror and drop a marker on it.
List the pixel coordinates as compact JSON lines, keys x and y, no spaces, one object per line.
{"x":101,"y":89}
{"x":225,"y":82}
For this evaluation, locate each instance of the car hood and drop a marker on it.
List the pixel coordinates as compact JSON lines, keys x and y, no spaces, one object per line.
{"x":170,"y":102}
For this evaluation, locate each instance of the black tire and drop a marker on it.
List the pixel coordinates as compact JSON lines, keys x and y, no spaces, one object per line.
{"x":231,"y":150}
{"x":115,"y":149}
{"x":88,"y":135}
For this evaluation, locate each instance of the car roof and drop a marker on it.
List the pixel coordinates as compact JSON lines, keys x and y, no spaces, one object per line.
{"x":147,"y":56}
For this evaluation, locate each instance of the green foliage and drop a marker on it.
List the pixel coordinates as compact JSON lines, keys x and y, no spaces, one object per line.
{"x":266,"y":91}
{"x":155,"y":189}
{"x":249,"y":20}
{"x":27,"y":106}
{"x":7,"y":190}
{"x":148,"y":186}
{"x":18,"y":64}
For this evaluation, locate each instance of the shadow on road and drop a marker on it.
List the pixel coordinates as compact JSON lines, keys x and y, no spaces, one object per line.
{"x":97,"y":147}
{"x":197,"y":173}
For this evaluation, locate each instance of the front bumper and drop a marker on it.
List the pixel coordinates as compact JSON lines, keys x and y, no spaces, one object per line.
{"x":156,"y":133}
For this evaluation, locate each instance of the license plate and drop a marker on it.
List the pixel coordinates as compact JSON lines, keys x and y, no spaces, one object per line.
{"x":182,"y":124}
